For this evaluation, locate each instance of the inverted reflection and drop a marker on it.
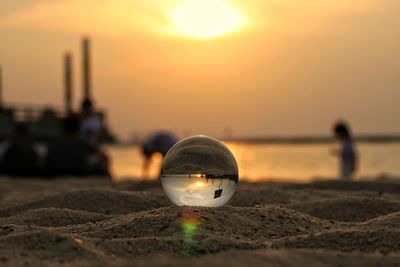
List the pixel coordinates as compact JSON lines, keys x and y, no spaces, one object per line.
{"x":199,"y":171}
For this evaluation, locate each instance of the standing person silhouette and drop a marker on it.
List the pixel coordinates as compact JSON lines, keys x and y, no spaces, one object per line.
{"x":91,"y":124}
{"x":92,"y":131}
{"x":347,"y":154}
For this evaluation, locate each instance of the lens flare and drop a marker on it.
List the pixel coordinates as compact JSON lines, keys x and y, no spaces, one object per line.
{"x":189,"y":227}
{"x":190,"y":222}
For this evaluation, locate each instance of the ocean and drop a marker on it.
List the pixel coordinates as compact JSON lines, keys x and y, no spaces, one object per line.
{"x":277,"y":162}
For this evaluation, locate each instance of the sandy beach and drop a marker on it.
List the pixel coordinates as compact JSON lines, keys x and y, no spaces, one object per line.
{"x":94,"y":222}
{"x":199,"y":133}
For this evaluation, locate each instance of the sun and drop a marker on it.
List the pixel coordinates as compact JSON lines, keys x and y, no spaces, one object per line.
{"x":200,"y":184}
{"x":205,"y":19}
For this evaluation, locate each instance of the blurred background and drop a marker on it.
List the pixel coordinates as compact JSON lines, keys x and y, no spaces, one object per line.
{"x":269,"y":78}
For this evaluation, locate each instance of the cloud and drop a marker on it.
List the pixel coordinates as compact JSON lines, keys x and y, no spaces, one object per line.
{"x":302,"y":16}
{"x":104,"y":17}
{"x":127,"y":17}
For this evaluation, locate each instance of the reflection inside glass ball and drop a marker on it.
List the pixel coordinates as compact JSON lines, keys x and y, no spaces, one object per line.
{"x":199,"y":171}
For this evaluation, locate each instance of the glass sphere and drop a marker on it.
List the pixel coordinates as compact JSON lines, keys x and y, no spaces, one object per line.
{"x":199,"y":171}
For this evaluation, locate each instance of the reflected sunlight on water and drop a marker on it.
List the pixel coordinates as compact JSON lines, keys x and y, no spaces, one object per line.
{"x":298,"y":162}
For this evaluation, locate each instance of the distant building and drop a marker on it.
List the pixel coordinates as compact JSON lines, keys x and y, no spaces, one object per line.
{"x":45,"y":122}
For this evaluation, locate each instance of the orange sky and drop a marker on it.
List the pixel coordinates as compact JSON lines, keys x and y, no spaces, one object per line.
{"x":292,"y":67}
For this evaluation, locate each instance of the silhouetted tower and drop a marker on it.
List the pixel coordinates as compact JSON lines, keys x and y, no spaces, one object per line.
{"x":68,"y":82}
{"x":86,"y":69}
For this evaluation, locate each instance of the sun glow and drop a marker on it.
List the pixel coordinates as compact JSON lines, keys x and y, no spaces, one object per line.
{"x":206,"y":19}
{"x":200,"y":184}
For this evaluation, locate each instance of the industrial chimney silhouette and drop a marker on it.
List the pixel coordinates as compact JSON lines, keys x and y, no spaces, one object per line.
{"x":86,"y":69}
{"x":68,"y":83}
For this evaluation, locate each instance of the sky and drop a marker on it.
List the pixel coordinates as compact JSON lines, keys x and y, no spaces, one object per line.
{"x":258,"y":67}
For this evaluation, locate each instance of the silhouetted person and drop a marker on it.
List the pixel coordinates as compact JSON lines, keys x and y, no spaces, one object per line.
{"x":91,"y":125}
{"x":347,"y":154}
{"x":71,"y":155}
{"x":92,"y":130}
{"x":156,"y":143}
{"x":19,"y":156}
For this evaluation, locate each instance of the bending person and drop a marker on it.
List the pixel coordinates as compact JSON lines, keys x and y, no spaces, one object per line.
{"x":156,"y":143}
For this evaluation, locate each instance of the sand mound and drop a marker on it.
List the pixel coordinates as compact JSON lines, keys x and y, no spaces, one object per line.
{"x":44,"y":245}
{"x":185,"y":230}
{"x":53,"y":217}
{"x":98,"y":201}
{"x":140,"y":185}
{"x":377,"y":186}
{"x":251,"y":197}
{"x":258,"y":223}
{"x":6,"y":229}
{"x":247,"y":197}
{"x":203,"y":244}
{"x":383,"y":240}
{"x":390,"y":221}
{"x":279,"y":258}
{"x":348,"y":209}
{"x":63,"y":223}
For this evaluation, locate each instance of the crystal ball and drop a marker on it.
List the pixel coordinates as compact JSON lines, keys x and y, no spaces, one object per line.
{"x":199,"y":171}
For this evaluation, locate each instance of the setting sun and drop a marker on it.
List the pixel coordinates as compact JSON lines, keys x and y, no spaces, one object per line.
{"x":206,"y":18}
{"x":200,"y":184}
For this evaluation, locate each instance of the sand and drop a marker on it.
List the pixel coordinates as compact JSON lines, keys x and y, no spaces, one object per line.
{"x":93,"y":222}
